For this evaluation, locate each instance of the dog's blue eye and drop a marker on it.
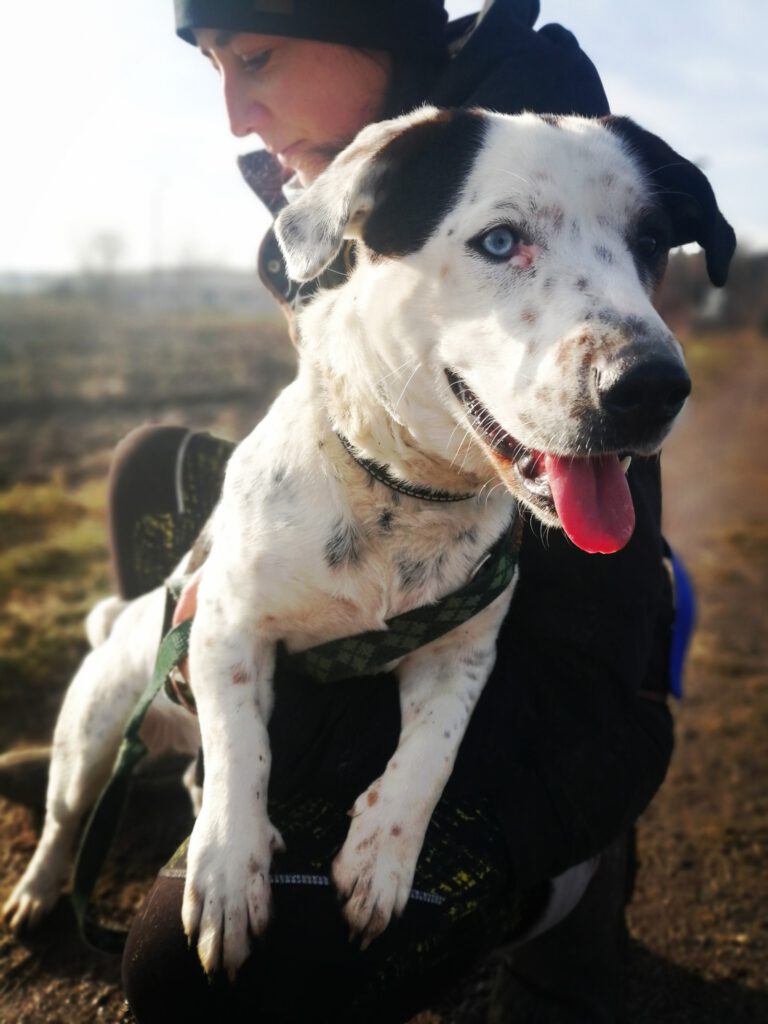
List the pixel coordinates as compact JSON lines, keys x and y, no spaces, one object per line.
{"x":499,"y":242}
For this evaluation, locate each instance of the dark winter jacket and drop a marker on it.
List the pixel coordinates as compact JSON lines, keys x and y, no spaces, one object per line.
{"x":561,"y":739}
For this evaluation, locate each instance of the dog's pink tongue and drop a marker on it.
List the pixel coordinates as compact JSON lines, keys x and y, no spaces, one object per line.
{"x":593,"y":501}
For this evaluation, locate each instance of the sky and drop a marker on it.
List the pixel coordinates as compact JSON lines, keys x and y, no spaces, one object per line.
{"x":114,"y":128}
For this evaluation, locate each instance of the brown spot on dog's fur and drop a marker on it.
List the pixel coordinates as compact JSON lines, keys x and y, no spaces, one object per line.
{"x":368,"y":841}
{"x":372,"y":797}
{"x":396,"y":830}
{"x":562,"y":357}
{"x":530,"y":316}
{"x":241,"y":675}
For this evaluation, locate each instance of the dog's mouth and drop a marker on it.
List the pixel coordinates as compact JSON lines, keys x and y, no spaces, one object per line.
{"x":588,"y":496}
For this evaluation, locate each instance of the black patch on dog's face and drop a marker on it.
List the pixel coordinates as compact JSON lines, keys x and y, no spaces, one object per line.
{"x":343,"y":547}
{"x":420,"y":175}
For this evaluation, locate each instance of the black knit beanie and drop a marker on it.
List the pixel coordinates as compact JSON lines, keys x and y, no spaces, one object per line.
{"x":403,"y":27}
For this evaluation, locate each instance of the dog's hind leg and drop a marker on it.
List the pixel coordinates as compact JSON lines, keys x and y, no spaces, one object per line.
{"x":88,"y":732}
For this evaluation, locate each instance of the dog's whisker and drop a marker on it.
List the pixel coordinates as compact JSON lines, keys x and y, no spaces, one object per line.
{"x":520,"y":177}
{"x":490,"y":492}
{"x":466,"y":438}
{"x":396,"y":371}
{"x":486,"y":485}
{"x":416,"y":368}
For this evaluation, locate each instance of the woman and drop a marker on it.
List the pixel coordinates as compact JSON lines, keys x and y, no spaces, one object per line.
{"x":572,"y":735}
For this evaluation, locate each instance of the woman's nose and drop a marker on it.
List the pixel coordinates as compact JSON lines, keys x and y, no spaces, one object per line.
{"x":247,"y":115}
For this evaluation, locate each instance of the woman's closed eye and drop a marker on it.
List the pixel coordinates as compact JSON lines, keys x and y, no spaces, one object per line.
{"x":255,"y":61}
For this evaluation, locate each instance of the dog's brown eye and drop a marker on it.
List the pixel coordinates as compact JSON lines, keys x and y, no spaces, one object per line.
{"x":648,"y":245}
{"x":498,"y":243}
{"x":651,"y":240}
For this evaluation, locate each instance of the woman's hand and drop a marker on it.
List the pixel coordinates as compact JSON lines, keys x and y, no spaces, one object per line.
{"x":185,"y":609}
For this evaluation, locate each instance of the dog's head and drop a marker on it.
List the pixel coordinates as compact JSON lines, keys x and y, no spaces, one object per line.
{"x":515,"y":258}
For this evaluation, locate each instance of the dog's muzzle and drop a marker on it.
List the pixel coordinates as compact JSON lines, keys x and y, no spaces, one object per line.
{"x":587,"y":495}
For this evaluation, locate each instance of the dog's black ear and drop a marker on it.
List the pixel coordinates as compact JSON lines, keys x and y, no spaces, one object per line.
{"x":390,"y":188}
{"x":685,"y":193}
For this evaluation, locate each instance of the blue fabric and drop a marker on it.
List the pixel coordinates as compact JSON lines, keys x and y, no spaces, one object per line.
{"x":685,"y":623}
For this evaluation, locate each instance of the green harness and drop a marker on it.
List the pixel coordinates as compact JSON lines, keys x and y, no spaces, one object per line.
{"x":360,"y":655}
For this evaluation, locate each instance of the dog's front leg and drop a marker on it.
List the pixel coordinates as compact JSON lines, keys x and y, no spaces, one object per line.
{"x":227,"y":894}
{"x":439,"y":687}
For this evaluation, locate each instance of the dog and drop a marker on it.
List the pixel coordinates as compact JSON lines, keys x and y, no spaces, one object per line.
{"x":495,"y":343}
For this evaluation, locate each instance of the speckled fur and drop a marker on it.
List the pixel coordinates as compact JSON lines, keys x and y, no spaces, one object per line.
{"x":306,"y":547}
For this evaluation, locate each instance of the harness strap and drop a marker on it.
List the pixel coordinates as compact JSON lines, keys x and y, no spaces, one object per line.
{"x":367,"y":653}
{"x":363,"y":654}
{"x":103,"y":821}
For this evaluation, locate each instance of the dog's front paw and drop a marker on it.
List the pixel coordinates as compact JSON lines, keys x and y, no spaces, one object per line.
{"x":374,"y":870}
{"x":227,"y":896}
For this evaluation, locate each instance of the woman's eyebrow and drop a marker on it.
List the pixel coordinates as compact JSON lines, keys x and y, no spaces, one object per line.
{"x":221,"y":40}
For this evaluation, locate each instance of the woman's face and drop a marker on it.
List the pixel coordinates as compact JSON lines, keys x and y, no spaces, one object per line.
{"x":305,"y":100}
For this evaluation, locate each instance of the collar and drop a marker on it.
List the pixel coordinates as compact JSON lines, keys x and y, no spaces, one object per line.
{"x":381,"y":473}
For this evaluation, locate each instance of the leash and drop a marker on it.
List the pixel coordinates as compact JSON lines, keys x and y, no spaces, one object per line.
{"x":362,"y":654}
{"x":103,"y":821}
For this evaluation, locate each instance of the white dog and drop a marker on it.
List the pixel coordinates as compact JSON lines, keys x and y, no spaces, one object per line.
{"x":497,"y":329}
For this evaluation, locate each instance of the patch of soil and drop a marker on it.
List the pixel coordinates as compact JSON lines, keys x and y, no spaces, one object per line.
{"x":699,"y":920}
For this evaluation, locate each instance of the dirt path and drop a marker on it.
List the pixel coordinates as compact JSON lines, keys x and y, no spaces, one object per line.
{"x":699,"y":921}
{"x":700,"y":915}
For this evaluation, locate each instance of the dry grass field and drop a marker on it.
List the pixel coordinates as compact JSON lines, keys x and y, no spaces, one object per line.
{"x":74,"y":378}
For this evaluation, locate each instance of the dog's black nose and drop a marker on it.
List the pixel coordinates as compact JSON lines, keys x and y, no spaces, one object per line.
{"x":644,"y":395}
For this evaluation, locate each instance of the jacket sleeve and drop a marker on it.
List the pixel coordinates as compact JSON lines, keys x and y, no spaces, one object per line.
{"x":568,"y":751}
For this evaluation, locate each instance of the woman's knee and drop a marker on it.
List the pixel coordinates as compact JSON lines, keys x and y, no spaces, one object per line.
{"x":162,"y":977}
